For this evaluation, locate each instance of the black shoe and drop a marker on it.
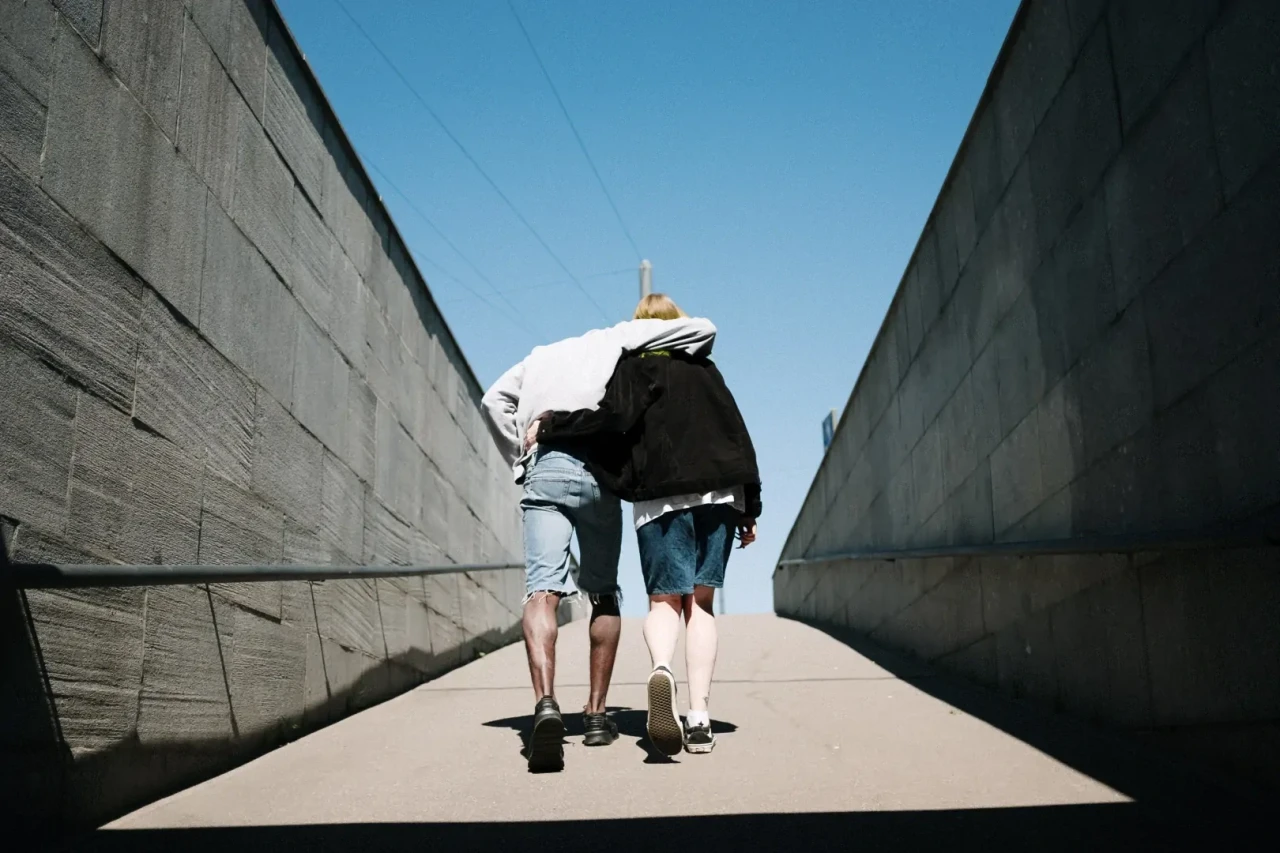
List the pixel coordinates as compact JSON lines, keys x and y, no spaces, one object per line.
{"x":699,"y":739}
{"x":601,"y":730}
{"x":663,"y":724}
{"x":546,"y":742}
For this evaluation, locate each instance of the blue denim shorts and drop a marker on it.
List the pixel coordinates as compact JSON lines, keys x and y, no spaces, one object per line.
{"x":687,"y":548}
{"x":561,"y":496}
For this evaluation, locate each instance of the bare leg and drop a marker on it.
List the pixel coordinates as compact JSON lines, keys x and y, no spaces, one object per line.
{"x":701,"y":643}
{"x":605,"y":630}
{"x":662,"y":628}
{"x":540,"y":632}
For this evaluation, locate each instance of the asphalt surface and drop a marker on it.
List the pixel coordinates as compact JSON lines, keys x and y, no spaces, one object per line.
{"x":821,"y":745}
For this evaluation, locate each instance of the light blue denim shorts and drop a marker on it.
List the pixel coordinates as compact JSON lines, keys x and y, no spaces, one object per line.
{"x":561,"y":496}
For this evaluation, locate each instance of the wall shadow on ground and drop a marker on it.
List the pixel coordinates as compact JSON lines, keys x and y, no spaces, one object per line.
{"x":1144,"y":773}
{"x":1119,"y":827}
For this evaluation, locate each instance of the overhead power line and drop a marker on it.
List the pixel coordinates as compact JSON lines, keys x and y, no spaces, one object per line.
{"x":432,"y":225}
{"x":573,"y":127}
{"x":457,"y":142}
{"x":439,"y":233}
{"x":611,"y":273}
{"x":561,"y":282}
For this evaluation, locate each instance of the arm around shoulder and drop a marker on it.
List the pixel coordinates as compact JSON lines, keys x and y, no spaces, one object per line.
{"x":691,"y":335}
{"x":629,"y":394}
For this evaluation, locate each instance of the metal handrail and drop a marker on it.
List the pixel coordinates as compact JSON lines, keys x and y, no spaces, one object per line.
{"x":51,"y":576}
{"x":1122,"y":544}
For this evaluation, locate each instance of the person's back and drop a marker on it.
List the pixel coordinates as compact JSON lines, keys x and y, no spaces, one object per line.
{"x":690,"y":436}
{"x":706,"y":440}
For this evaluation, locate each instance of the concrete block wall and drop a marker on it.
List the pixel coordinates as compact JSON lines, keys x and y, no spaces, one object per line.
{"x":1087,"y":338}
{"x":1180,"y":647}
{"x":215,"y":349}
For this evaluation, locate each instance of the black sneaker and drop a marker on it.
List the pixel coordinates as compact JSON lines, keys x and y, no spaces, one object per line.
{"x":546,"y":742}
{"x":664,"y":723}
{"x":699,"y":739}
{"x":600,"y":729}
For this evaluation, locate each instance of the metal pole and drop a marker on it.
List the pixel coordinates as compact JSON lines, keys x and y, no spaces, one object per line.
{"x":646,"y":279}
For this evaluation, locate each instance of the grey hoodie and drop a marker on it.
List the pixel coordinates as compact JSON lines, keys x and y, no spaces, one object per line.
{"x":572,"y":374}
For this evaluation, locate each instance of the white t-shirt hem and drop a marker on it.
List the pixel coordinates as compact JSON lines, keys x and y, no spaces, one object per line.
{"x":646,"y":511}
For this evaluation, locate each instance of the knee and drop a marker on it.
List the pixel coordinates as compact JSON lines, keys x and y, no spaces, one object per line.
{"x":605,"y":605}
{"x":675,"y":602}
{"x":703,"y":599}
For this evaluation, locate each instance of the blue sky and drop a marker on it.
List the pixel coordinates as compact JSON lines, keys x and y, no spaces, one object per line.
{"x":775,"y":160}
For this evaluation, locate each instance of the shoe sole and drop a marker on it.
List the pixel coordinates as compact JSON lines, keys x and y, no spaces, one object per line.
{"x":546,"y":746}
{"x":599,"y":739}
{"x":663,"y":724}
{"x":700,"y":748}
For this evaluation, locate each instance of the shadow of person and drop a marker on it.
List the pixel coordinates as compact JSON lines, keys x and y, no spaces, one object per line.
{"x":631,"y":724}
{"x":630,"y":721}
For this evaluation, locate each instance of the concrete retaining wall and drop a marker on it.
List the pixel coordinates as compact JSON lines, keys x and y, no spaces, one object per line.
{"x":215,"y":349}
{"x":1086,"y":341}
{"x":1182,"y":648}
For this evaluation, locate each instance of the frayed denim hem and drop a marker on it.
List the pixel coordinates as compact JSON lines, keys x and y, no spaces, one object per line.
{"x":686,"y":591}
{"x":562,"y":594}
{"x":571,"y":594}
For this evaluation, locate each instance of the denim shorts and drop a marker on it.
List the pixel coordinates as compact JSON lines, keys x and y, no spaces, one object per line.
{"x":687,"y":548}
{"x":561,"y":496}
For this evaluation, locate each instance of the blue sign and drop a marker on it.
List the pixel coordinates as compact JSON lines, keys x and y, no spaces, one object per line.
{"x":828,"y":428}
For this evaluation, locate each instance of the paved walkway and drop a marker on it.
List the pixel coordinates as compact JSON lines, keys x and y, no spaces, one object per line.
{"x":821,"y":746}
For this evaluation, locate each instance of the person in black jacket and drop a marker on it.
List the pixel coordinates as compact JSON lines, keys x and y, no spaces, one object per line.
{"x":669,"y":438}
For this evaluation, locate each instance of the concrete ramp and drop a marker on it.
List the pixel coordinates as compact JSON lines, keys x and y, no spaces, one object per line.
{"x":821,"y":746}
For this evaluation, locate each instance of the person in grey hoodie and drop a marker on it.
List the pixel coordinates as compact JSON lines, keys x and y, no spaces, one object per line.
{"x":561,"y":496}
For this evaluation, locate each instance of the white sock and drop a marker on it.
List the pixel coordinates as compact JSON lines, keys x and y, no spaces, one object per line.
{"x":699,"y":718}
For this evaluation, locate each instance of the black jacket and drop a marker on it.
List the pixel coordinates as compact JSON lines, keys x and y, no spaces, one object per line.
{"x":667,"y":426}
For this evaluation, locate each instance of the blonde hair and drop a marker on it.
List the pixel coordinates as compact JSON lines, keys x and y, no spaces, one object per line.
{"x":658,"y":306}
